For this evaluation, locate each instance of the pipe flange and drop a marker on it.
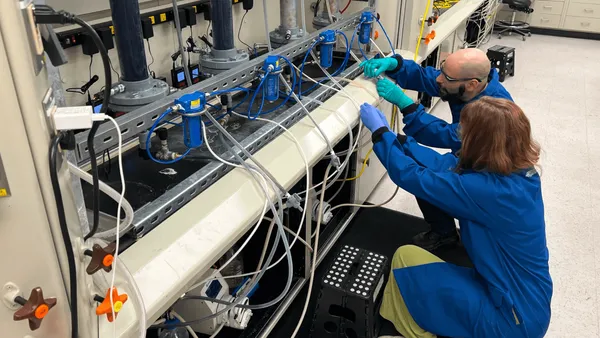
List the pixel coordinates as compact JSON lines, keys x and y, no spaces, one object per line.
{"x":282,"y":36}
{"x":320,"y":21}
{"x":137,"y":94}
{"x":219,"y":61}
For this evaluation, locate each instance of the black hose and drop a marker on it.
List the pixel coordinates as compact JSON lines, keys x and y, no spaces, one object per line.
{"x":317,"y":7}
{"x":90,"y":140}
{"x":64,"y":230}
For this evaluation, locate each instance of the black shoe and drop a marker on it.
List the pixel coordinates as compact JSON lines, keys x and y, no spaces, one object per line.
{"x":432,"y":240}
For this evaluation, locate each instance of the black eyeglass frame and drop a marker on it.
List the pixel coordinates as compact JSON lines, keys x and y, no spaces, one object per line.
{"x":451,"y":79}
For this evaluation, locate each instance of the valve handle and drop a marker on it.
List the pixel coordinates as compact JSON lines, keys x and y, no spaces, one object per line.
{"x":102,"y":258}
{"x":106,"y":308}
{"x":429,"y":37}
{"x":34,"y":309}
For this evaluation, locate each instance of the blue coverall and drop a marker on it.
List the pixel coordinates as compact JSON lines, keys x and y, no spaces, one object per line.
{"x":502,"y":226}
{"x":428,"y":129}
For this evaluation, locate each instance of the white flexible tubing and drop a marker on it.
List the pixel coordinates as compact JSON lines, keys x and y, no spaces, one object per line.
{"x":345,"y":94}
{"x":297,"y":234}
{"x":268,"y":36}
{"x":133,"y":287}
{"x":217,"y":331}
{"x":188,"y":328}
{"x":141,"y":310}
{"x":377,"y":47}
{"x":354,"y":144}
{"x":367,"y":205}
{"x":307,"y":113}
{"x":112,"y":193}
{"x":314,"y":257}
{"x":117,"y":232}
{"x":265,"y":187}
{"x":303,"y":15}
{"x":329,"y":11}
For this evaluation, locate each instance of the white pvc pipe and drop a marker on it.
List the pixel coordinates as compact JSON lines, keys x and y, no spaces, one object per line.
{"x":141,"y":309}
{"x":112,"y":193}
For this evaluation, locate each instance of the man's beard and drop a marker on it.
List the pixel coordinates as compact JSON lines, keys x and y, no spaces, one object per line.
{"x":446,"y":96}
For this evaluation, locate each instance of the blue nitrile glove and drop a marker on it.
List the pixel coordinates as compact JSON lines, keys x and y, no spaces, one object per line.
{"x":376,"y":67}
{"x":394,"y":94}
{"x":372,"y":117}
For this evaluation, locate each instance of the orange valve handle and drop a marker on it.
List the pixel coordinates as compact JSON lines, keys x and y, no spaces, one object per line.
{"x":429,"y":37}
{"x":108,"y":260}
{"x":41,"y":311}
{"x":106,"y":308}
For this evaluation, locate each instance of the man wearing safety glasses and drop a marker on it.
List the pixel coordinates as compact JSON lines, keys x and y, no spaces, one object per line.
{"x":464,"y":76}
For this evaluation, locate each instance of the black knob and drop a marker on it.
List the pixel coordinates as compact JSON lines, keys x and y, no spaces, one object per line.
{"x":224,"y":100}
{"x":162,"y":133}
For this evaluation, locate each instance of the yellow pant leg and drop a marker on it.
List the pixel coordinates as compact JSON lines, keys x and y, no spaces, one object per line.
{"x":393,"y":307}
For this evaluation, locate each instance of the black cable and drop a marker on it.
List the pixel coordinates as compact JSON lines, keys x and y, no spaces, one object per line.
{"x":152,"y":56}
{"x":188,"y":50}
{"x":107,"y":166}
{"x":111,"y":67}
{"x":90,"y":68}
{"x":90,"y":140}
{"x":60,"y":208}
{"x":46,"y":15}
{"x":250,"y":49}
{"x":317,"y":7}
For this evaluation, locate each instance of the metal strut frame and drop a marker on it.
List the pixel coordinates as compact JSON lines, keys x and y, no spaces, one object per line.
{"x":139,"y":120}
{"x":152,"y":214}
{"x":136,"y":122}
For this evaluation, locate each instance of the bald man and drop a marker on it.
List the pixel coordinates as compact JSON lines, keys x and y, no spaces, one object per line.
{"x":464,"y":76}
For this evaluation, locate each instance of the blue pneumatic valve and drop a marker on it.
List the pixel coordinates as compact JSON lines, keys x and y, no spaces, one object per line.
{"x":191,"y":106}
{"x":327,"y":41}
{"x":366,"y":25}
{"x":271,"y":70}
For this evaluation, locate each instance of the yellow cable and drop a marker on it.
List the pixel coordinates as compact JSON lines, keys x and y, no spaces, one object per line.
{"x":364,"y":165}
{"x":394,"y":109}
{"x":362,"y":170}
{"x":422,"y":28}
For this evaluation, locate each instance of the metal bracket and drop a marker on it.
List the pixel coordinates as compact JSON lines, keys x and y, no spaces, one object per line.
{"x":139,"y":120}
{"x":10,"y":291}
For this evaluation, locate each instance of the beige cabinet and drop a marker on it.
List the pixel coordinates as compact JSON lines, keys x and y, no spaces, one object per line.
{"x":583,"y":10}
{"x":574,"y":15}
{"x":582,"y":24}
{"x":548,"y":7}
{"x":545,"y":20}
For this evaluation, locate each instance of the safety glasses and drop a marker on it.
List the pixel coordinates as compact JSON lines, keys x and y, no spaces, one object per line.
{"x":452,"y":79}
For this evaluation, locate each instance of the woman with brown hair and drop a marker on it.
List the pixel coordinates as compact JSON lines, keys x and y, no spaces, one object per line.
{"x":494,"y":190}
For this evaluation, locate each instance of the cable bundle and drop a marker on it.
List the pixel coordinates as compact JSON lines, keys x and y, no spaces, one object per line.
{"x":480,"y":24}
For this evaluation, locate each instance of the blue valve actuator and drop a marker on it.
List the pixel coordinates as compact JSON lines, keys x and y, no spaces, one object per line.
{"x":271,"y":86}
{"x":364,"y":34}
{"x":192,"y":125}
{"x":327,"y":41}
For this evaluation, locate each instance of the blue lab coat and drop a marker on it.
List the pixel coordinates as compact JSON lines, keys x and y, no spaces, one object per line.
{"x":502,"y":227}
{"x":428,"y":129}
